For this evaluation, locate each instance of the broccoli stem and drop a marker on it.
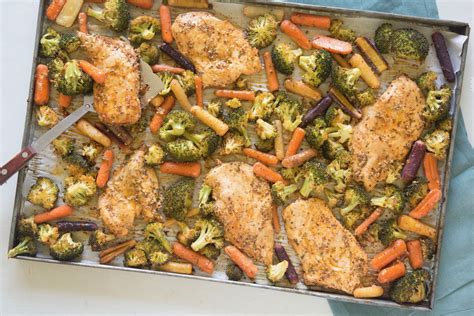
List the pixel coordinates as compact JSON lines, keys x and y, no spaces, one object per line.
{"x":22,"y":247}
{"x":307,"y":187}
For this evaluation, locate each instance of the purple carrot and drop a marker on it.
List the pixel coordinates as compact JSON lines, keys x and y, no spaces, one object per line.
{"x":177,"y":57}
{"x":315,"y":111}
{"x":443,"y":56}
{"x":414,"y":161}
{"x":104,"y":129}
{"x":351,"y":111}
{"x":75,"y":226}
{"x":290,"y":273}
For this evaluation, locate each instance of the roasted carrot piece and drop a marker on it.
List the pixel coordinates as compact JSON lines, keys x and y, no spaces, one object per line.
{"x":397,"y":249}
{"x":199,"y":97}
{"x":82,"y":18}
{"x":239,"y":94}
{"x":367,"y":74}
{"x":211,"y":121}
{"x":161,"y":112}
{"x":295,"y":34}
{"x":105,"y":168}
{"x":64,"y":100}
{"x":41,"y":96}
{"x":392,"y":273}
{"x":410,"y":224}
{"x":56,"y":213}
{"x":166,"y":68}
{"x":144,"y":4}
{"x":268,"y":174}
{"x":299,"y":158}
{"x":272,"y":78}
{"x":54,"y":8}
{"x":195,"y":258}
{"x":97,"y":74}
{"x":340,"y":60}
{"x":332,"y":45}
{"x":319,"y":21}
{"x":362,"y":228}
{"x":267,"y":159}
{"x":275,"y":219}
{"x":430,"y":165}
{"x":426,"y":205}
{"x":242,"y":261}
{"x":415,"y":254}
{"x":187,"y":169}
{"x":165,"y":19}
{"x":295,"y":142}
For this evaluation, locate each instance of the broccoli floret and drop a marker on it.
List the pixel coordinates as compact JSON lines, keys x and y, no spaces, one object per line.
{"x":345,"y":80}
{"x":355,"y":217}
{"x":154,"y":231}
{"x":416,"y":191}
{"x":341,"y":133}
{"x":389,"y":232}
{"x":316,"y":133}
{"x":206,"y":140}
{"x":26,"y":247}
{"x":182,"y":150}
{"x":143,"y":28}
{"x":333,"y":198}
{"x":232,"y":143}
{"x":149,"y":246}
{"x":366,"y":97}
{"x":166,"y":79}
{"x":149,"y":53}
{"x":289,"y":112}
{"x":175,"y":124}
{"x":284,"y":56}
{"x":187,"y":235}
{"x":290,"y":174}
{"x":66,"y":248}
{"x":43,"y":193}
{"x":47,"y":234}
{"x":355,"y":196}
{"x":69,"y":43}
{"x":158,"y":258}
{"x":241,"y":83}
{"x":392,"y":198}
{"x":178,"y":198}
{"x":115,"y":14}
{"x":341,"y":174}
{"x":237,"y":119}
{"x":233,"y":272}
{"x":90,"y":151}
{"x":262,"y":106}
{"x":275,"y":272}
{"x":49,"y":43}
{"x":411,"y":288}
{"x":427,"y":81}
{"x":27,"y":227}
{"x":265,"y":130}
{"x":73,"y":80}
{"x":331,"y":149}
{"x":317,"y":67}
{"x":211,"y":252}
{"x":55,"y":67}
{"x":99,"y":240}
{"x":340,"y":32}
{"x":437,"y":142}
{"x":186,"y":80}
{"x":211,"y":232}
{"x":445,"y":124}
{"x":135,"y":258}
{"x":233,"y":103}
{"x":282,"y":192}
{"x":394,"y":171}
{"x":409,"y":43}
{"x":437,"y":104}
{"x":382,"y":38}
{"x":265,"y":145}
{"x":262,"y":31}
{"x":428,"y":248}
{"x":335,"y":115}
{"x":206,"y":205}
{"x":76,"y":164}
{"x":215,"y":107}
{"x":79,"y":190}
{"x":154,"y":155}
{"x":315,"y":177}
{"x":46,"y":117}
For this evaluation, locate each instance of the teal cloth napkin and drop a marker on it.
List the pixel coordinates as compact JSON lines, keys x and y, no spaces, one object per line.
{"x":455,"y":288}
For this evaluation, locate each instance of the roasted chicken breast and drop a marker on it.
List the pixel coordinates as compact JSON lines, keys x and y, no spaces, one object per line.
{"x":116,"y":101}
{"x":244,"y":207}
{"x":330,"y":255}
{"x":218,"y":49}
{"x":387,"y":131}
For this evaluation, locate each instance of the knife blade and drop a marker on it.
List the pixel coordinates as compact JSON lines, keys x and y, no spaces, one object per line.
{"x":152,"y":82}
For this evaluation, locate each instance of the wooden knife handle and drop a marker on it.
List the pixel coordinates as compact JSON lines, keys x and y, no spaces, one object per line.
{"x":16,"y":163}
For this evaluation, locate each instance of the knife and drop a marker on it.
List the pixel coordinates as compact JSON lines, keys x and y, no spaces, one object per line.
{"x":148,"y":78}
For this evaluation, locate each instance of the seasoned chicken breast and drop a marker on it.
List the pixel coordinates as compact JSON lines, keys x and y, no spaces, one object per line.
{"x":387,"y":131}
{"x":243,"y":206}
{"x":218,"y":49}
{"x":132,"y":190}
{"x":116,"y":100}
{"x":330,"y":255}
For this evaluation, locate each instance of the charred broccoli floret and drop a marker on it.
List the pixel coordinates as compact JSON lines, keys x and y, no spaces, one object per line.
{"x":76,"y":164}
{"x":427,"y":81}
{"x":341,"y":133}
{"x":182,"y":150}
{"x":115,"y":14}
{"x":166,"y":79}
{"x":186,"y":80}
{"x":282,"y":192}
{"x":178,"y":198}
{"x":90,"y":151}
{"x":437,"y":142}
{"x":265,"y":145}
{"x":187,"y":235}
{"x":135,"y":258}
{"x":69,"y":43}
{"x":158,"y":258}
{"x":394,"y":171}
{"x":46,"y":117}
{"x":211,"y":232}
{"x":355,"y":217}
{"x":317,"y":67}
{"x":411,"y":288}
{"x":149,"y":53}
{"x":290,"y":174}
{"x":389,"y":232}
{"x":265,"y":130}
{"x":55,"y":66}
{"x":233,"y":272}
{"x":340,"y":32}
{"x":333,"y":198}
{"x":241,"y":83}
{"x":262,"y":31}
{"x":290,"y":113}
{"x":47,"y":234}
{"x":275,"y":272}
{"x":437,"y":104}
{"x":98,"y":240}
{"x":232,"y":143}
{"x":154,"y":231}
{"x":316,"y":133}
{"x":175,"y":124}
{"x":43,"y":193}
{"x":335,"y":115}
{"x":355,"y":196}
{"x":206,"y":140}
{"x":73,"y":80}
{"x":233,"y":103}
{"x":284,"y":56}
{"x":26,"y":247}
{"x":237,"y":119}
{"x":315,"y":177}
{"x":206,"y":205}
{"x":143,"y":28}
{"x":262,"y":106}
{"x":416,"y":191}
{"x":409,"y":43}
{"x":366,"y":97}
{"x":339,"y":173}
{"x":27,"y":227}
{"x":382,"y":38}
{"x":66,"y":248}
{"x":445,"y":124}
{"x":215,"y":107}
{"x":331,"y":149}
{"x":154,"y":155}
{"x":392,"y":198}
{"x":49,"y":43}
{"x":345,"y":80}
{"x":79,"y":190}
{"x":211,"y":252}
{"x":428,"y":248}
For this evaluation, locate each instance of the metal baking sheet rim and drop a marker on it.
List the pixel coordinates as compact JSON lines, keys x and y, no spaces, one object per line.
{"x":453,"y":26}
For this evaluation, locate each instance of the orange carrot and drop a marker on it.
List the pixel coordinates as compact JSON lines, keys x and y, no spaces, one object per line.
{"x":272,"y":78}
{"x":415,"y":254}
{"x":295,"y":142}
{"x":239,"y":94}
{"x":165,"y":19}
{"x":299,"y":158}
{"x":161,"y":112}
{"x":275,"y":219}
{"x":430,"y":165}
{"x":166,"y":68}
{"x":362,"y":228}
{"x":198,"y":84}
{"x":105,"y":168}
{"x":268,"y":174}
{"x":41,"y":85}
{"x":397,"y":249}
{"x":340,"y":60}
{"x":242,"y":261}
{"x":410,"y":224}
{"x":332,"y":45}
{"x":56,"y":213}
{"x":64,"y":100}
{"x":392,"y":273}
{"x":269,"y":160}
{"x":54,"y":8}
{"x":144,"y":4}
{"x":426,"y":205}
{"x":187,"y":169}
{"x":82,"y":18}
{"x":319,"y":21}
{"x":95,"y":1}
{"x":97,"y":74}
{"x":195,"y":258}
{"x":295,"y":34}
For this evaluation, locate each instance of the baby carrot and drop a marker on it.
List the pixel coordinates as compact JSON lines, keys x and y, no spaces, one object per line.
{"x":319,"y":21}
{"x":187,"y":169}
{"x":415,"y":254}
{"x":332,"y":45}
{"x":239,"y":94}
{"x":97,"y":74}
{"x":242,"y":261}
{"x":392,"y":273}
{"x":54,"y":214}
{"x":198,"y":260}
{"x":272,"y":78}
{"x":165,"y":19}
{"x":54,"y":8}
{"x":410,"y":224}
{"x":295,"y":142}
{"x":295,"y":34}
{"x":161,"y":112}
{"x":268,"y":174}
{"x":368,"y":292}
{"x":82,"y":18}
{"x":275,"y":219}
{"x":388,"y":255}
{"x":105,"y":168}
{"x":166,"y":68}
{"x":362,"y":228}
{"x":279,"y":146}
{"x":176,"y":267}
{"x":64,"y":100}
{"x":426,"y":205}
{"x":144,"y":4}
{"x":211,"y":121}
{"x":340,"y":60}
{"x":269,"y":160}
{"x":41,"y":85}
{"x":198,"y":84}
{"x":299,"y":158}
{"x":300,"y":88}
{"x":430,"y":165}
{"x":180,"y":95}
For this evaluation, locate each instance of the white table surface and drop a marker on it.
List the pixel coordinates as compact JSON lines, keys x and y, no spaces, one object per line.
{"x":38,"y":288}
